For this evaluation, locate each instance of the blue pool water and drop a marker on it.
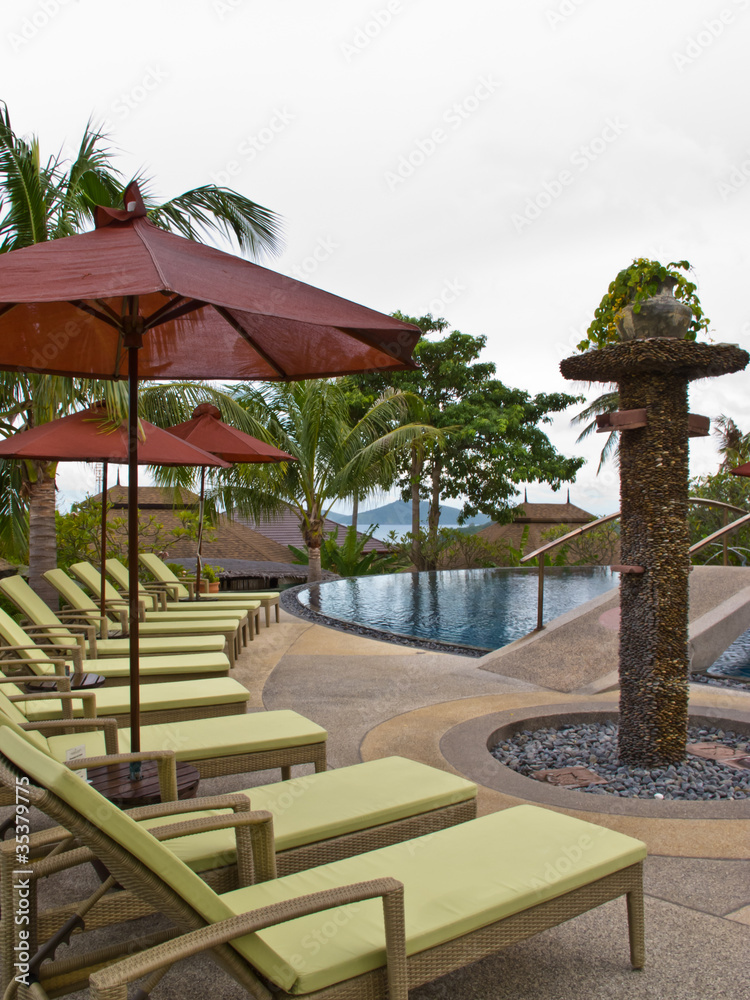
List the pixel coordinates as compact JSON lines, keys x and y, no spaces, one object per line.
{"x":485,"y":608}
{"x":734,"y":661}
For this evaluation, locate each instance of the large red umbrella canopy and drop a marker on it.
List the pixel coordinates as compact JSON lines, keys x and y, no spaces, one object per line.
{"x":205,"y":313}
{"x":88,"y":436}
{"x":206,"y":430}
{"x":130,"y":300}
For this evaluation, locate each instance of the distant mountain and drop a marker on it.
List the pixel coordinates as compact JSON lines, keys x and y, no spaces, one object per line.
{"x":397,"y":512}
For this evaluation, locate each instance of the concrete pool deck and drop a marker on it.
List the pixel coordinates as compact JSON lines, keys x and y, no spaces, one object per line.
{"x":378,"y":698}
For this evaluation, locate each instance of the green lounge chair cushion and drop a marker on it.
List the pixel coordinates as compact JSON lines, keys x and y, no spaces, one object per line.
{"x":457,"y":880}
{"x":185,"y":663}
{"x":158,"y":645}
{"x":319,"y":806}
{"x":161,"y":572}
{"x":154,"y":697}
{"x":206,"y":738}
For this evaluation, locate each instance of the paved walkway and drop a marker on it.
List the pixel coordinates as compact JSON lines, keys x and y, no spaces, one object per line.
{"x":377,"y":698}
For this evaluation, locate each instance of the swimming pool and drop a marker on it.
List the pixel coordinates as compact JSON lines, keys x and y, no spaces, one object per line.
{"x":481,"y":608}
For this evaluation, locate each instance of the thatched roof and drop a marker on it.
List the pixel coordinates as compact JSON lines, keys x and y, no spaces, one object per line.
{"x":538,"y":518}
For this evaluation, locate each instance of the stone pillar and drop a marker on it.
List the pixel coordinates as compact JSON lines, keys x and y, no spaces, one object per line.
{"x":652,"y":375}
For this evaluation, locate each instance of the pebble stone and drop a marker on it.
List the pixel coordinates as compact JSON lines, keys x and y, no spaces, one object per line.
{"x":595,"y":746}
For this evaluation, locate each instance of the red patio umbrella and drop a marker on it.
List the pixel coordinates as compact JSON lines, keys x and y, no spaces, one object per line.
{"x":89,"y":436}
{"x":131,"y":300}
{"x":206,"y":430}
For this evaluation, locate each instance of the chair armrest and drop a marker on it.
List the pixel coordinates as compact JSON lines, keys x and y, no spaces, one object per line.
{"x":53,"y":726}
{"x":66,"y":698}
{"x":87,"y":633}
{"x":111,"y":983}
{"x":62,"y":681}
{"x":165,"y":762}
{"x":73,"y":648}
{"x":165,"y":588}
{"x":61,"y":667}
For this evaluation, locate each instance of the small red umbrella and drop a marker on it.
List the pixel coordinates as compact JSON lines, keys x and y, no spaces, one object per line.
{"x":206,"y":430}
{"x":89,"y":436}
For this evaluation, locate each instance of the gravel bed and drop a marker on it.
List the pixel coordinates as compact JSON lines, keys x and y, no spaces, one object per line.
{"x":595,"y":746}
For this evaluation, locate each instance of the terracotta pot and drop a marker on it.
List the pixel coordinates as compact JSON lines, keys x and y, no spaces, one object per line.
{"x":660,"y":316}
{"x":213,"y":586}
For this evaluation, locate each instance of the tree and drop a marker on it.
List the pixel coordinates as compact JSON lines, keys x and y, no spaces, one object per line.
{"x":490,"y":436}
{"x":607,"y":402}
{"x":41,"y":201}
{"x":336,"y":458}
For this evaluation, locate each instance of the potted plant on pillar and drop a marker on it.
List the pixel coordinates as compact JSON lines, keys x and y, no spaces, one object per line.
{"x":647,"y":299}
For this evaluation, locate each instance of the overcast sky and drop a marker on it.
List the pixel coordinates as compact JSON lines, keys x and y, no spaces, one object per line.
{"x":494,"y":162}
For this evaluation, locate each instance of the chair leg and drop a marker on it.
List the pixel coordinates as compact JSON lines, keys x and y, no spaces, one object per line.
{"x":636,"y":928}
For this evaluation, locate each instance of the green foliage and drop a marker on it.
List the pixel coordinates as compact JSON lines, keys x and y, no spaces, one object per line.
{"x":635,"y":283}
{"x":349,"y":559}
{"x":211,"y":573}
{"x":703,"y":521}
{"x":596,"y":547}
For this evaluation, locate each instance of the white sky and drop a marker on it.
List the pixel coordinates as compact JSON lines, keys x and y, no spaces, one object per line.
{"x":619,"y":119}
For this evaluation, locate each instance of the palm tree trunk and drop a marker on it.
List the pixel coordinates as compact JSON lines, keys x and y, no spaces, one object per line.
{"x":42,"y":533}
{"x":355,"y":511}
{"x":314,"y":572}
{"x":415,"y":479}
{"x":433,"y":516}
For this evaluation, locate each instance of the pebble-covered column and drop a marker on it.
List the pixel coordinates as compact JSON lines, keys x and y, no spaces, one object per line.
{"x":653,"y":374}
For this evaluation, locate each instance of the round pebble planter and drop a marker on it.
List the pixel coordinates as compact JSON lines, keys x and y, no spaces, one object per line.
{"x":467,"y":747}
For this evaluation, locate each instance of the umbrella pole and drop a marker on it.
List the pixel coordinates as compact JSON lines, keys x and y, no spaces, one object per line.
{"x":199,"y":561}
{"x":133,"y":337}
{"x":102,"y":602}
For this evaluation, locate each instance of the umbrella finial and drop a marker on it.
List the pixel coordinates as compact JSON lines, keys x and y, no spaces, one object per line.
{"x":134,"y":208}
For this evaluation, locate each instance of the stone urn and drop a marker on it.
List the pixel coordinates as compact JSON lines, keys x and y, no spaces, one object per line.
{"x":661,"y":315}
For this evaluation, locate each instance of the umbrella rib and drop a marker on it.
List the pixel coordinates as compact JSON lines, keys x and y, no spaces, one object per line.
{"x":226,"y":315}
{"x":104,"y":313}
{"x":163,"y":314}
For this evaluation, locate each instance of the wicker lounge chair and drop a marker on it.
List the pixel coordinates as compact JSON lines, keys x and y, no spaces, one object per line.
{"x":464,"y":897}
{"x":19,"y":653}
{"x":159,"y":598}
{"x":167,"y":702}
{"x":229,"y":744}
{"x":185,"y":590}
{"x":60,"y":630}
{"x":115,"y":623}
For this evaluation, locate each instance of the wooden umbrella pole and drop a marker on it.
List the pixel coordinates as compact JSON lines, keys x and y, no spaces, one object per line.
{"x":133,"y":338}
{"x":102,"y":602}
{"x":198,"y":562}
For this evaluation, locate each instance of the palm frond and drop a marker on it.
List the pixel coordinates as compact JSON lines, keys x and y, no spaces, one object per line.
{"x":26,"y":189}
{"x":210,"y":209}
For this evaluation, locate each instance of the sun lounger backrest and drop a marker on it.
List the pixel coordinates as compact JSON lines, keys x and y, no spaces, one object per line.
{"x":119,"y":573}
{"x":26,"y":600}
{"x":91,"y":578}
{"x":160,"y":571}
{"x":102,"y":814}
{"x":14,"y":717}
{"x":12,"y":634}
{"x":73,"y":595}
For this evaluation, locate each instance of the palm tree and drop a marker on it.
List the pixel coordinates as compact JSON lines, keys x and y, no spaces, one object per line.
{"x":608,"y":402}
{"x":337,"y":457}
{"x":42,"y":201}
{"x":734,"y":446}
